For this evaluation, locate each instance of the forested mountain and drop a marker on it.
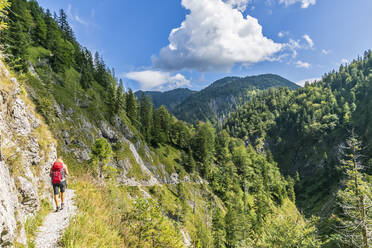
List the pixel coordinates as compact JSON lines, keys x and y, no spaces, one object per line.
{"x":216,"y":101}
{"x":169,"y":99}
{"x":143,"y":178}
{"x":305,"y":131}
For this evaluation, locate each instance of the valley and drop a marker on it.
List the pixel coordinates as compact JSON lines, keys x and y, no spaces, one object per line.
{"x":253,"y":161}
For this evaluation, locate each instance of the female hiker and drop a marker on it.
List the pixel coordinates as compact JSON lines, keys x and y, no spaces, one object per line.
{"x":58,"y":174}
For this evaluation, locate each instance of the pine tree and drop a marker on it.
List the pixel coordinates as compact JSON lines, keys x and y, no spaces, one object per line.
{"x":100,"y":74}
{"x":17,"y":39}
{"x":180,"y":135}
{"x":218,"y":229}
{"x":120,"y":98}
{"x":111,"y":98}
{"x":146,"y":117}
{"x":356,"y":199}
{"x":131,"y":108}
{"x":203,"y":146}
{"x":86,"y":67}
{"x":40,"y":28}
{"x":65,"y":26}
{"x":222,"y":150}
{"x":162,"y":124}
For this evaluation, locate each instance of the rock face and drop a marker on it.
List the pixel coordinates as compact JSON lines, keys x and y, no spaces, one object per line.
{"x":24,"y":162}
{"x":107,"y":132}
{"x":8,"y":201}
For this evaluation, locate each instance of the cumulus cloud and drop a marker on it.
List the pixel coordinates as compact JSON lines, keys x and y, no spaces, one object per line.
{"x":309,"y":41}
{"x":215,"y":36}
{"x":302,"y":64}
{"x":310,"y":81}
{"x":325,"y":51}
{"x":239,"y":4}
{"x":158,"y":80}
{"x":304,"y":3}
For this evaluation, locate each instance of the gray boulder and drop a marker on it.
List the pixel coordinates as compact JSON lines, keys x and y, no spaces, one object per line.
{"x":108,"y":132}
{"x":124,"y":129}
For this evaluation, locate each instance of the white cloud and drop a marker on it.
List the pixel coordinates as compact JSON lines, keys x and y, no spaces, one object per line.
{"x":158,"y":80}
{"x":309,"y":41}
{"x":80,"y":20}
{"x":325,"y":51}
{"x":310,"y":81}
{"x":214,"y":36}
{"x":294,"y":45}
{"x":302,"y":64}
{"x":344,"y":61}
{"x":304,"y":3}
{"x":241,"y":5}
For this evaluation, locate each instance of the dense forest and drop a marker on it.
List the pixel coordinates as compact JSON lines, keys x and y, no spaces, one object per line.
{"x":306,"y":130}
{"x":283,"y":147}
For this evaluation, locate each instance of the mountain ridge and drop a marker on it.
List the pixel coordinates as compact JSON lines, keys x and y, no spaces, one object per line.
{"x":211,"y":103}
{"x":223,"y":96}
{"x":169,"y":98}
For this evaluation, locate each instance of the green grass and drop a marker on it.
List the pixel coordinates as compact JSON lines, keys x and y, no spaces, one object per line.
{"x":98,"y":222}
{"x":33,"y":223}
{"x":123,"y":152}
{"x":167,"y":156}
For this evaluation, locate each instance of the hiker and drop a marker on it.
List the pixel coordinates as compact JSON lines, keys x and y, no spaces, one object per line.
{"x":58,"y":174}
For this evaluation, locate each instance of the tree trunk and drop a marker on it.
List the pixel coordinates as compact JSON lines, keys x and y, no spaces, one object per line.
{"x":364,"y":222}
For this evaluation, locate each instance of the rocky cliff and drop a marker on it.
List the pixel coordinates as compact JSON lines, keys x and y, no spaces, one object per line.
{"x":27,"y":150}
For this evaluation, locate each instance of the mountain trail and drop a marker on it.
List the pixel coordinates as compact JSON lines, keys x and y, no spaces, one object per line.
{"x":55,"y":223}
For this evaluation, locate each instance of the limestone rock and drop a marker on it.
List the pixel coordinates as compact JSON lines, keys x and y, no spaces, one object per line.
{"x":57,"y":110}
{"x":20,"y":123}
{"x":108,"y":132}
{"x":8,"y":201}
{"x":30,"y":199}
{"x":124,"y":129}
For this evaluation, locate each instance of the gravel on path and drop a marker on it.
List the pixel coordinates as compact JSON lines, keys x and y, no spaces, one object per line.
{"x":55,"y":223}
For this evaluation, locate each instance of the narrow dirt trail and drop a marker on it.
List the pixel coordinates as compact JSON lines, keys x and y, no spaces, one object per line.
{"x":55,"y":223}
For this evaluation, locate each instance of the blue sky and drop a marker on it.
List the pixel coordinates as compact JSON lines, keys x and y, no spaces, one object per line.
{"x":165,"y":44}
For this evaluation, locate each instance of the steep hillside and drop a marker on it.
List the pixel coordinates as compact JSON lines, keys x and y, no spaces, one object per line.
{"x":306,"y":132}
{"x":170,"y":99}
{"x":216,"y":101}
{"x":142,"y":178}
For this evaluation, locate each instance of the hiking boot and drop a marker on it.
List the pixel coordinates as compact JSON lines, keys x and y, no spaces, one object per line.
{"x":62,"y":205}
{"x":57,"y":209}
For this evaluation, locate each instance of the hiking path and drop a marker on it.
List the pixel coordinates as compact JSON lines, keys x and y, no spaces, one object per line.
{"x":55,"y":223}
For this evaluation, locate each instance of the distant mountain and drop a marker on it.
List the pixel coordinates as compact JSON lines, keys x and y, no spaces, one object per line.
{"x":170,"y":99}
{"x":216,"y":101}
